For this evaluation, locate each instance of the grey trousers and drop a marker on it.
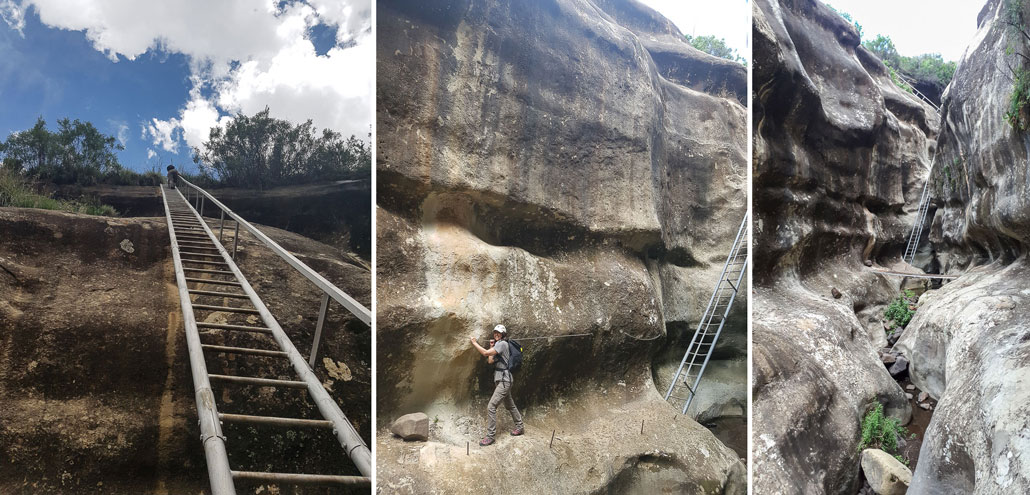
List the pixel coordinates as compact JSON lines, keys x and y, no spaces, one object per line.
{"x":502,"y":393}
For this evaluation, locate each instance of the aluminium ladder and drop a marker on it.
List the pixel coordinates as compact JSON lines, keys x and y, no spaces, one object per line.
{"x":204,"y":269}
{"x":699,"y":352}
{"x":917,"y":228}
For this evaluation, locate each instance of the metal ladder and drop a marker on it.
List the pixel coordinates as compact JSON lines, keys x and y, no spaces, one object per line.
{"x":917,"y":229}
{"x":699,"y":352}
{"x":197,"y":254}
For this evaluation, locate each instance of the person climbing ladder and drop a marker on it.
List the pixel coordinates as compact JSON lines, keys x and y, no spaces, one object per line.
{"x":500,"y":355}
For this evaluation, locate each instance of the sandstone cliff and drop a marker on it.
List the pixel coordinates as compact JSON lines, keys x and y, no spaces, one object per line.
{"x":840,"y":156}
{"x":562,"y":167}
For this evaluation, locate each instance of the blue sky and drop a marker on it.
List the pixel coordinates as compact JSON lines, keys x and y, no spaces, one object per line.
{"x":158,"y":75}
{"x":56,"y":73}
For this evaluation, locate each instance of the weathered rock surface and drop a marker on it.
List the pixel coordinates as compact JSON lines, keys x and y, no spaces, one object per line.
{"x":968,"y":343}
{"x":414,"y":426}
{"x":562,"y":167}
{"x":840,"y":155}
{"x":885,"y":474}
{"x":94,"y":373}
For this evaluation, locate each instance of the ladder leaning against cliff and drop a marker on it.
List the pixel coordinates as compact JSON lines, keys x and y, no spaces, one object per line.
{"x":699,"y":352}
{"x":194,"y":244}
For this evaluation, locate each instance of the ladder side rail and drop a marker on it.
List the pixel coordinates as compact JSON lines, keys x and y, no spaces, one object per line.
{"x":708,"y":308}
{"x":356,"y":308}
{"x":345,"y":433}
{"x":708,"y":357}
{"x":211,"y":436}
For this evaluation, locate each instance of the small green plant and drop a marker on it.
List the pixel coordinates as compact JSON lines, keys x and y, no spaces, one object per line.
{"x":16,"y":191}
{"x":881,"y":432}
{"x":898,"y":310}
{"x":898,"y":81}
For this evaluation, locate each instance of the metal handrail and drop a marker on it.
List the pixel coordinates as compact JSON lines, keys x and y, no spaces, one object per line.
{"x":344,"y":431}
{"x":356,"y":308}
{"x":917,"y":92}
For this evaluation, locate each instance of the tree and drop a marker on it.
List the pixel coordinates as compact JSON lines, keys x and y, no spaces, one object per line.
{"x":714,"y":46}
{"x":260,"y":151}
{"x":76,"y":153}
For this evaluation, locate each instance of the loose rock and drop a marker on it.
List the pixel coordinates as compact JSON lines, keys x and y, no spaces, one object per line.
{"x":885,"y":474}
{"x":899,"y":368}
{"x":910,"y":387}
{"x":888,"y":359}
{"x":836,"y":293}
{"x":908,"y":396}
{"x":414,"y":426}
{"x":925,"y":406}
{"x":923,"y":396}
{"x":868,"y":262}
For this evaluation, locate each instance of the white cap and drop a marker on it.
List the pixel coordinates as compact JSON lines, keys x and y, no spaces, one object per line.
{"x":500,"y":329}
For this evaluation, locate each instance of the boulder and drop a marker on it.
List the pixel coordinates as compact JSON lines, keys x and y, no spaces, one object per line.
{"x":923,"y":396}
{"x":899,"y":368}
{"x":885,"y":474}
{"x":414,"y":426}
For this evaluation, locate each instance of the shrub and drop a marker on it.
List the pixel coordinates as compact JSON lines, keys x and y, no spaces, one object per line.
{"x":17,"y":192}
{"x":881,"y":432}
{"x":898,"y":310}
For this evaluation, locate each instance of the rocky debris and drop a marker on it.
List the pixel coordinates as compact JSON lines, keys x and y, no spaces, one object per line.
{"x":899,"y":368}
{"x":925,"y":406}
{"x":888,"y":359}
{"x":910,"y":387}
{"x":923,"y":396}
{"x":126,"y":246}
{"x":840,"y":155}
{"x":908,"y":396}
{"x":886,"y":475}
{"x":414,"y":426}
{"x":836,"y":293}
{"x":868,"y":263}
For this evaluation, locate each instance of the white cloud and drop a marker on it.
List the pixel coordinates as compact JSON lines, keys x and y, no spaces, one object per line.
{"x":13,"y":15}
{"x":244,"y":55}
{"x":730,"y":21}
{"x":163,"y":133}
{"x":121,"y":132}
{"x":151,"y":153}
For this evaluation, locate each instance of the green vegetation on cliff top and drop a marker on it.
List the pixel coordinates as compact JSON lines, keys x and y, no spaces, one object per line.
{"x":715,"y":46}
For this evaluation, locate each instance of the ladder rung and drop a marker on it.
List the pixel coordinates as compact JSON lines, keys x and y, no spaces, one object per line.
{"x":243,"y":350}
{"x":219,"y":294}
{"x":210,"y":281}
{"x":201,"y":270}
{"x":198,"y":245}
{"x":275,"y":421}
{"x":302,"y":479}
{"x":204,"y":262}
{"x":261,"y":382}
{"x":225,"y":308}
{"x":191,"y":253}
{"x":227,"y":326}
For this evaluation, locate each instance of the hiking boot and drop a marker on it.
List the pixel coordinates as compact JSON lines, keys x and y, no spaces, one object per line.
{"x":517,"y":431}
{"x":486,"y":441}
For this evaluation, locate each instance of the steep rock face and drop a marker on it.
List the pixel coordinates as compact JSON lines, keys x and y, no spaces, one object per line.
{"x":839,"y":151}
{"x":94,"y":370}
{"x":984,"y":193}
{"x":561,"y":167}
{"x":968,"y":343}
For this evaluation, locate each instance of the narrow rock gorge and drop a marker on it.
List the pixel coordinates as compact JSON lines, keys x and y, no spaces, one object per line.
{"x":841,"y":156}
{"x":563,"y":167}
{"x":95,"y":387}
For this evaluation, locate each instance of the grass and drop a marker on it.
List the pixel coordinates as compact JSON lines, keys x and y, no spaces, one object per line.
{"x":898,"y":311}
{"x":881,"y":432}
{"x":17,"y":192}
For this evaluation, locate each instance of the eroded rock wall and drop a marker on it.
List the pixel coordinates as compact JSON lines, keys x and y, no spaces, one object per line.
{"x":968,"y":343}
{"x":562,"y":167}
{"x":840,"y":155}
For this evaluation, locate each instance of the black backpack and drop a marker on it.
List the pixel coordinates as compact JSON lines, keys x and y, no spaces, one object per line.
{"x":515,"y":356}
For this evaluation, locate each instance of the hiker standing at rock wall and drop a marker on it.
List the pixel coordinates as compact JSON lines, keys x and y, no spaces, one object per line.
{"x":499,"y":354}
{"x":173,"y":176}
